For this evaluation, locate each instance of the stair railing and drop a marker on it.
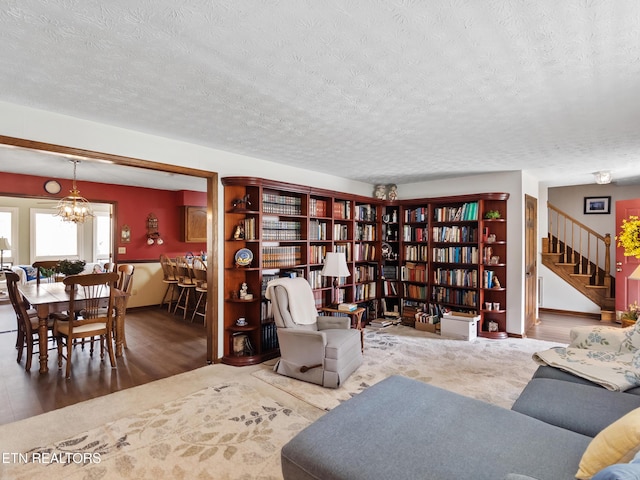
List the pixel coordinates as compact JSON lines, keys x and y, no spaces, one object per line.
{"x":581,"y":245}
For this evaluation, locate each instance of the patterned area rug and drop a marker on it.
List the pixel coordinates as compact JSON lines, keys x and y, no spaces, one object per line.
{"x":495,"y":371}
{"x":221,"y":432}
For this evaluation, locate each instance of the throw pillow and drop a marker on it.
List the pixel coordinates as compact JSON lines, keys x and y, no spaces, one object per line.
{"x":618,"y":443}
{"x":619,"y":471}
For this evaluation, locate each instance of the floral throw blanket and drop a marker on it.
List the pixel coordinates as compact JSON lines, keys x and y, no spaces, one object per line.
{"x":608,"y":356}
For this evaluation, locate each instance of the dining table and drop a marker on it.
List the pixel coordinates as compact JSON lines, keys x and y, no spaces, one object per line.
{"x":48,"y":298}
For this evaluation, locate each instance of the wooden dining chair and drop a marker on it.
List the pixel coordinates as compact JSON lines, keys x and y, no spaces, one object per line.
{"x":199,"y":269}
{"x":87,"y":296}
{"x":27,"y":320}
{"x":44,"y":265}
{"x":170,"y":279}
{"x":125,"y":284}
{"x":109,"y":267}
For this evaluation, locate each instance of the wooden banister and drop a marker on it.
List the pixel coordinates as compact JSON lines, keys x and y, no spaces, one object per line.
{"x":580,"y":244}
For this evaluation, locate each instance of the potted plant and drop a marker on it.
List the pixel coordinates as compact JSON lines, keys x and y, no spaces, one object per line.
{"x":492,"y":214}
{"x":70,"y":267}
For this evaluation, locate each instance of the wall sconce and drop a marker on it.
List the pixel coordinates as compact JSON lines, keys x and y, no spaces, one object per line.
{"x":153,"y":236}
{"x":125,"y":234}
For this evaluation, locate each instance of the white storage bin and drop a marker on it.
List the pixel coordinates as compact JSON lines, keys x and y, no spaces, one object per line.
{"x":459,"y":326}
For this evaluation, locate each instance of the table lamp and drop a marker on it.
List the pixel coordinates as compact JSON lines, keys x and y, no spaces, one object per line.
{"x":335,"y":265}
{"x":4,"y":245}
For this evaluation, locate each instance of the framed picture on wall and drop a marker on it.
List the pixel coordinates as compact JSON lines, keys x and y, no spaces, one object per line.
{"x":597,"y":205}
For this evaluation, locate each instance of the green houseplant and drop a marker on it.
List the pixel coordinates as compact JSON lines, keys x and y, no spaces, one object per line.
{"x":70,"y":267}
{"x":492,"y":214}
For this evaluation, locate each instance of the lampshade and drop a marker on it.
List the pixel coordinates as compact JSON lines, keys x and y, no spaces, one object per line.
{"x":73,"y":207}
{"x":635,"y":275}
{"x":4,"y":244}
{"x":335,"y":265}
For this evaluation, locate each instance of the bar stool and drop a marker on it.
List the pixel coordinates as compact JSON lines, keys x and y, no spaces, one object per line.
{"x":170,"y":279}
{"x":186,"y":284}
{"x":200,"y":276}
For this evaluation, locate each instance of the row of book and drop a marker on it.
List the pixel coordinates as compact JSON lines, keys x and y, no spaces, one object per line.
{"x":365,"y":213}
{"x":248,"y":226}
{"x":420,"y":292}
{"x":340,"y":232}
{"x":317,"y":254}
{"x":269,"y":336}
{"x":415,"y":234}
{"x":280,"y":230}
{"x":456,"y":255}
{"x":390,"y":272}
{"x":413,"y":272}
{"x":317,"y":230}
{"x":458,"y":277}
{"x":416,"y":253}
{"x":490,"y":280}
{"x":365,"y":291}
{"x":280,"y":256}
{"x":459,"y":297}
{"x":281,"y":205}
{"x":317,"y":207}
{"x":364,"y":252}
{"x":455,"y":233}
{"x":364,"y":273}
{"x":366,"y":233}
{"x":419,"y":214}
{"x":465,"y":212}
{"x":342,"y":209}
{"x":390,"y":287}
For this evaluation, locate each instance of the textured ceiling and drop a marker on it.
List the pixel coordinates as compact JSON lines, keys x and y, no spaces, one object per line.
{"x":380,"y":91}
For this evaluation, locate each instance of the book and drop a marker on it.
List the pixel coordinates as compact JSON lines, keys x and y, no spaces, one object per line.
{"x":347,"y":307}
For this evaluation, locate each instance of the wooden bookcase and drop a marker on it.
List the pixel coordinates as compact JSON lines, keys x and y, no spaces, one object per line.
{"x":401,"y":255}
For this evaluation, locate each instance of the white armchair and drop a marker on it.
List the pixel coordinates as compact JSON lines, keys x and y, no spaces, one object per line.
{"x":317,"y":349}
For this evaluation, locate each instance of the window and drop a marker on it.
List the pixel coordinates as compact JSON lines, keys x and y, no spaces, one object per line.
{"x":102,"y":236}
{"x":9,"y":228}
{"x":52,"y":238}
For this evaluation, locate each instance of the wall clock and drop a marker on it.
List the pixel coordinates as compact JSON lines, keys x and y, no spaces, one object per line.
{"x":52,"y":187}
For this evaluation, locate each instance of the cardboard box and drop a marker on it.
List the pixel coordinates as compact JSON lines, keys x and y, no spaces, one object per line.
{"x":424,"y":323}
{"x":460,"y":326}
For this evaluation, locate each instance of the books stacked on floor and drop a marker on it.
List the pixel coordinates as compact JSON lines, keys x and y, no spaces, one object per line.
{"x":380,"y":323}
{"x":347,"y":307}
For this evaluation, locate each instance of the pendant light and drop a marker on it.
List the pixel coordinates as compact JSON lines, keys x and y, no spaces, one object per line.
{"x":74,"y":208}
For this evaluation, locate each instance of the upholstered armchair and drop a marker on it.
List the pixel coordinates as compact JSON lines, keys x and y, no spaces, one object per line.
{"x":319,"y":349}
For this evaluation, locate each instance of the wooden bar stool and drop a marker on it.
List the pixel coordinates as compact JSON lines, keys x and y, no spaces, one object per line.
{"x":200,"y":276}
{"x":186,"y":285}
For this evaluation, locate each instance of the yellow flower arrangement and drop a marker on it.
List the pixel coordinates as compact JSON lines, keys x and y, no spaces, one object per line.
{"x":629,"y":237}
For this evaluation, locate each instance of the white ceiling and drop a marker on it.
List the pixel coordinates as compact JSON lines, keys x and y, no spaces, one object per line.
{"x":380,"y":91}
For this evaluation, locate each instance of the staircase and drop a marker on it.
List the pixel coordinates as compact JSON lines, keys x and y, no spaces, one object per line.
{"x":582,"y":257}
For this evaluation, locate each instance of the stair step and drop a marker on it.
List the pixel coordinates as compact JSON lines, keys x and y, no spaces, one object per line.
{"x":596,"y":287}
{"x":578,"y":275}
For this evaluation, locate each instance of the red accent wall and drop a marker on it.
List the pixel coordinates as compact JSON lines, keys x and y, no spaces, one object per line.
{"x":132,"y":206}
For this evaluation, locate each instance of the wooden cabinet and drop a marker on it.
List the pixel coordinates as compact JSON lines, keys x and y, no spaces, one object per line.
{"x":401,"y":254}
{"x":194,"y":224}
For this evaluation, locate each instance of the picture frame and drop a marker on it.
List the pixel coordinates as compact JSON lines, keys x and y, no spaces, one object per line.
{"x":597,"y":205}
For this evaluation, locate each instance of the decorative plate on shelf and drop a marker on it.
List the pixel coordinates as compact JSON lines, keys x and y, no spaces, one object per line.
{"x":244,"y":257}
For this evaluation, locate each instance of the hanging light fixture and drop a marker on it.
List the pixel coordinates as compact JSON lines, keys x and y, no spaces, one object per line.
{"x":74,"y":208}
{"x":603,"y":177}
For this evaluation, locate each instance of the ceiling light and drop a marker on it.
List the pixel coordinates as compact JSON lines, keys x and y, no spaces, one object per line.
{"x":602,"y":178}
{"x":74,"y":208}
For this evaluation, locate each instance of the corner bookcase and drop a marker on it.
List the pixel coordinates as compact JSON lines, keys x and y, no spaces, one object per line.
{"x":403,"y":255}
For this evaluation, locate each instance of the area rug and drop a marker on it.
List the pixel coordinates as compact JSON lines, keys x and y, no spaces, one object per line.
{"x":495,"y":371}
{"x":226,"y":431}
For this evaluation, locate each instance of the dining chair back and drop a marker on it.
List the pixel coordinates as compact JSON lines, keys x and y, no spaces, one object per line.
{"x":109,"y":267}
{"x":27,"y":320}
{"x":42,"y":265}
{"x":88,"y":295}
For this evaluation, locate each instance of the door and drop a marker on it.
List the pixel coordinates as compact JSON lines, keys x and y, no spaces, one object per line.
{"x":530,"y":261}
{"x":627,"y":291}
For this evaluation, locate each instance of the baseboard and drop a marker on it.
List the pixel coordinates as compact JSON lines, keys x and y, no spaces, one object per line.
{"x":595,"y":316}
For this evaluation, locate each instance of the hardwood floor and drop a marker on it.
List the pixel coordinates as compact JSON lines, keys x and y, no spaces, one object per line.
{"x":160,"y":345}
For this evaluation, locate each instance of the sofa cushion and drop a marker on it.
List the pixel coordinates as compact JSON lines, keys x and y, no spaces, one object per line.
{"x":404,"y":429}
{"x":618,"y":443}
{"x":591,"y":409}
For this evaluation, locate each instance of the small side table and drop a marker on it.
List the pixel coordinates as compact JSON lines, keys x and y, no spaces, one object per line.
{"x":356,"y":319}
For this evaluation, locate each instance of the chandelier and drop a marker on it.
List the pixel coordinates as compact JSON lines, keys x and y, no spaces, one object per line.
{"x":74,"y":208}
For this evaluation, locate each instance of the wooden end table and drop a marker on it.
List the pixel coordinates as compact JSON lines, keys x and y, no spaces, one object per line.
{"x":356,"y":319}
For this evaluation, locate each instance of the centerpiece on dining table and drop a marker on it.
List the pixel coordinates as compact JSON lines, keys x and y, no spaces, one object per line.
{"x":70,"y":267}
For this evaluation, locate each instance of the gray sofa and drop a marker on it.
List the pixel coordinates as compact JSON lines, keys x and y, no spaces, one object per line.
{"x":405,"y":429}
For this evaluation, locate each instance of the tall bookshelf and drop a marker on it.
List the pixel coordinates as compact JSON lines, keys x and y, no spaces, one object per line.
{"x":402,"y":255}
